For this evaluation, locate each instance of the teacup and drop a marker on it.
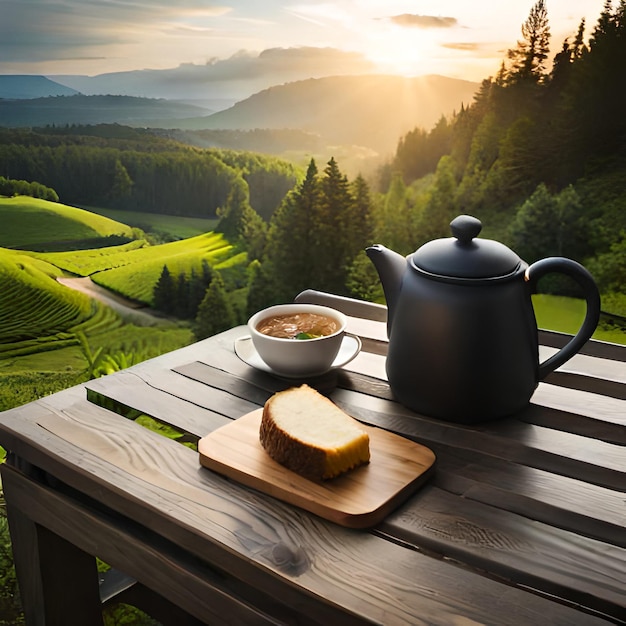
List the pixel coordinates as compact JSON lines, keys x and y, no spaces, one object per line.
{"x":303,"y":357}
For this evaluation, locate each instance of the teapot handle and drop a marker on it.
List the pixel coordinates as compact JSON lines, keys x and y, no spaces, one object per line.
{"x":592,"y":296}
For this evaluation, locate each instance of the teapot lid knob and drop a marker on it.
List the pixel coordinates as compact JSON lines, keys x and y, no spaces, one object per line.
{"x":465,"y":228}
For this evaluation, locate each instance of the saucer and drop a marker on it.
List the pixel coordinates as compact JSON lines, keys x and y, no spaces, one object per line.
{"x":245,"y":350}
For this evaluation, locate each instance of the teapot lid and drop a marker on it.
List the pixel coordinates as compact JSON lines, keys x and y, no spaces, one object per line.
{"x":465,"y":255}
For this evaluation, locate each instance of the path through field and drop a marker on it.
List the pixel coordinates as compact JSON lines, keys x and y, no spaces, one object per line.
{"x":130,"y":310}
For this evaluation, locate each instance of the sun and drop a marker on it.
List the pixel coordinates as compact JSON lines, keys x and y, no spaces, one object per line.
{"x":401,"y":51}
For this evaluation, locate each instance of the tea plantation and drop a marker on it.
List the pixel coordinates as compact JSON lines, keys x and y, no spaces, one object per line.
{"x":133,"y":269}
{"x":41,"y":320}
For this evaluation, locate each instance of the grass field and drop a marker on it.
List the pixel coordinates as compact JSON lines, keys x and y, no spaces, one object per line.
{"x":133,"y":269}
{"x":32,"y":221}
{"x":39,"y":318}
{"x":566,"y":315}
{"x":176,"y":226}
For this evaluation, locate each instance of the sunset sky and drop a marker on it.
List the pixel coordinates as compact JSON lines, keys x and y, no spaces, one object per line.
{"x":456,"y":38}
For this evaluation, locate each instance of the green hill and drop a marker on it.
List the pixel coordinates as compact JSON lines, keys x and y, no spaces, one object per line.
{"x":32,"y":222}
{"x":132,"y":270}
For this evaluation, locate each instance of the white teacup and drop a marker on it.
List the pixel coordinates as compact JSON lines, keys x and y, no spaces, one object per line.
{"x":298,"y":358}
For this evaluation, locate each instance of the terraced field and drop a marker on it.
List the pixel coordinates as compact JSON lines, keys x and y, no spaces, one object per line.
{"x":132,"y":270}
{"x":37,"y":313}
{"x":32,"y":221}
{"x":88,"y":262}
{"x":39,"y":317}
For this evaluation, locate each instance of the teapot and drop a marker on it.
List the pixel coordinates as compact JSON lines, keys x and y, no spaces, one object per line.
{"x":463,"y":340}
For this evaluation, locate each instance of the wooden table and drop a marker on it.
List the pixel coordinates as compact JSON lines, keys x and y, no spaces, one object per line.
{"x":522,"y":521}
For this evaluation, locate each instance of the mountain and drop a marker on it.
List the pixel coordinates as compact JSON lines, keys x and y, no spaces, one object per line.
{"x":21,"y":87}
{"x":233,"y":78}
{"x":79,"y":109}
{"x":180,"y":84}
{"x":369,"y":111}
{"x":373,"y":111}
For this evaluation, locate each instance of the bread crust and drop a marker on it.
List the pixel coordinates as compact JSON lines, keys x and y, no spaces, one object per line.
{"x":306,"y":460}
{"x":315,"y":462}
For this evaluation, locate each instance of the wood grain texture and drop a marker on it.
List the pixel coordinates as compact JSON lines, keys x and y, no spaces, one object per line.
{"x":512,"y":546}
{"x":314,"y":567}
{"x":558,"y":451}
{"x":357,"y":499}
{"x":528,"y":506}
{"x":200,"y":591}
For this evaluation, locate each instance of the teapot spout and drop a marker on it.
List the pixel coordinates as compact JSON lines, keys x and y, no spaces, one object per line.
{"x":390,"y":267}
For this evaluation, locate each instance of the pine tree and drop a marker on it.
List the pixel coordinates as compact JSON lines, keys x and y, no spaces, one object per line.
{"x":181,"y":298}
{"x":315,"y":235}
{"x":290,"y":253}
{"x":232,"y":214}
{"x":360,"y":230}
{"x":601,"y":83}
{"x":529,"y":58}
{"x":215,"y":313}
{"x":198,"y":284}
{"x":122,"y":182}
{"x":260,"y":294}
{"x":164,"y":294}
{"x":533,"y":230}
{"x":333,"y":221}
{"x":254,"y":234}
{"x":440,"y":210}
{"x":393,"y":222}
{"x":239,"y":222}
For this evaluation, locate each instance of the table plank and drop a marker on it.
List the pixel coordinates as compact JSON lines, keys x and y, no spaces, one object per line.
{"x":573,"y":505}
{"x":260,"y":541}
{"x":596,"y":406}
{"x":506,"y":491}
{"x":608,"y":369}
{"x":591,"y":460}
{"x":514,"y":547}
{"x":535,"y":500}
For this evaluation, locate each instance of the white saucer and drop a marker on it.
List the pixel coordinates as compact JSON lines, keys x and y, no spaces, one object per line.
{"x":245,"y":350}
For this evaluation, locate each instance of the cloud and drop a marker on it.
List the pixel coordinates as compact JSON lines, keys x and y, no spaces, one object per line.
{"x":236,"y":77}
{"x":319,"y":61}
{"x":275,"y":64}
{"x":31,"y":30}
{"x":411,"y":20}
{"x":464,"y":46}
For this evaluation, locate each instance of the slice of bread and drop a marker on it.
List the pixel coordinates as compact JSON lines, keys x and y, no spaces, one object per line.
{"x":307,"y":433}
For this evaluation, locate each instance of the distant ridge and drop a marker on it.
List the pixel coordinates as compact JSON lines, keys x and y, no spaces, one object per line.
{"x":25,"y":87}
{"x":367,"y":110}
{"x":79,"y":109}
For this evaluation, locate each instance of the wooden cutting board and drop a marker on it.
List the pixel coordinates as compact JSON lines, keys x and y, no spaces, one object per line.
{"x":357,"y":499}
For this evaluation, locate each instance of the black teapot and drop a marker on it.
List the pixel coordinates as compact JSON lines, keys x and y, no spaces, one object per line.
{"x":463,"y":343}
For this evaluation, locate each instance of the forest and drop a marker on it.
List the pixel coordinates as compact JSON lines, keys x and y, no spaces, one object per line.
{"x":131,"y":169}
{"x":539,"y":156}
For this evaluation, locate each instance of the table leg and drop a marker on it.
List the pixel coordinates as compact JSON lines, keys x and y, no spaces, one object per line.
{"x":58,"y":581}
